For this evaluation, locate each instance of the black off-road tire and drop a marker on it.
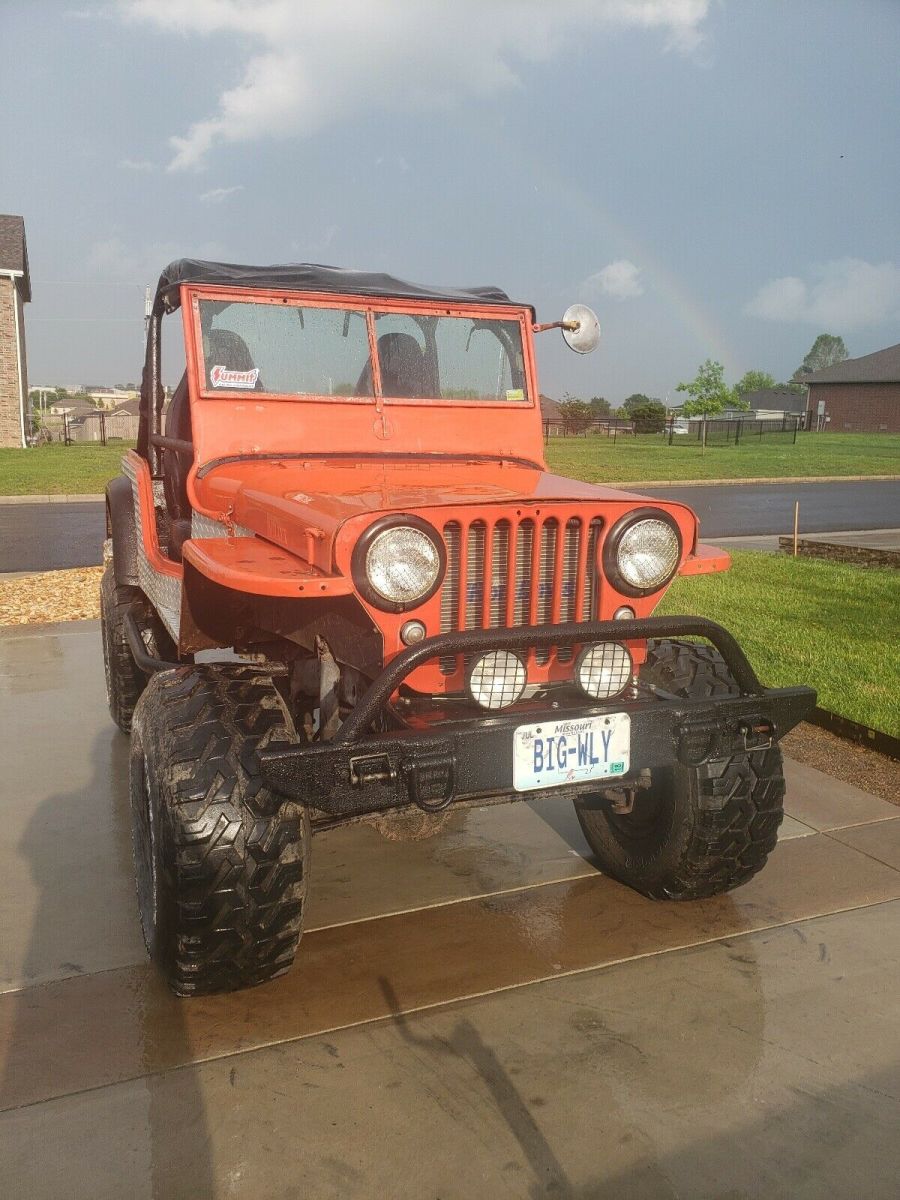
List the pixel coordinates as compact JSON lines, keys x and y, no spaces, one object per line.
{"x":221,"y":860}
{"x":124,"y":681}
{"x":697,"y":831}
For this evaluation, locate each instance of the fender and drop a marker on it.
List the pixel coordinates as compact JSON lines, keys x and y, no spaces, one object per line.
{"x":120,"y":527}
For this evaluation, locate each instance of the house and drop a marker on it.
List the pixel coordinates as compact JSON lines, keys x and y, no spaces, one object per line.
{"x":859,"y":395}
{"x":15,"y":292}
{"x":550,"y":410}
{"x":777,"y":402}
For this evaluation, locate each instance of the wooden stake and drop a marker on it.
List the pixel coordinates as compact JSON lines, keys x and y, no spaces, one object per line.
{"x":796,"y":524}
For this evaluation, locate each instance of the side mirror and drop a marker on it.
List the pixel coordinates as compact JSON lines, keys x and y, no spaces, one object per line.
{"x":579,"y":326}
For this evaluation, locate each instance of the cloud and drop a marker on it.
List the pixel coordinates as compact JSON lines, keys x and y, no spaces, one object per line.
{"x":620,"y":279}
{"x":846,"y":293}
{"x":308,"y":64}
{"x":112,"y":259}
{"x":137,"y":164}
{"x":217,"y":195}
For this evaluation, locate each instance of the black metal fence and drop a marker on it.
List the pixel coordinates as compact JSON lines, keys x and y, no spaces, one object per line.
{"x":731,"y":432}
{"x":711,"y":431}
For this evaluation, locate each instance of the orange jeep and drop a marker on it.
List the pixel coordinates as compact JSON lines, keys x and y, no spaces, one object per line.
{"x":348,"y":501}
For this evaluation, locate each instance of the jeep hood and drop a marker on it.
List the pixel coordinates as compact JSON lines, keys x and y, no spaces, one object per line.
{"x":290,"y":501}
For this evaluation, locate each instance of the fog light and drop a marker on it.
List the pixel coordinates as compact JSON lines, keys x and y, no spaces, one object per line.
{"x":412,"y":632}
{"x":624,"y":613}
{"x":603,"y":670}
{"x":497,"y":679}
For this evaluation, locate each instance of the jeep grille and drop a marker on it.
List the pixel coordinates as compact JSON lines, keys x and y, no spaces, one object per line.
{"x":525,"y":579}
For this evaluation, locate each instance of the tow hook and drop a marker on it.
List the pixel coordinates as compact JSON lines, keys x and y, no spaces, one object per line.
{"x":757,"y":735}
{"x":371,"y":768}
{"x":431,"y":779}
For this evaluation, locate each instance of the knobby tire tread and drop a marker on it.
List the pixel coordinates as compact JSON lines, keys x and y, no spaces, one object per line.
{"x":234,"y":852}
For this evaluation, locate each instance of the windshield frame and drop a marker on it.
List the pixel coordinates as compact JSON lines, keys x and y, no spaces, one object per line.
{"x":370,"y":307}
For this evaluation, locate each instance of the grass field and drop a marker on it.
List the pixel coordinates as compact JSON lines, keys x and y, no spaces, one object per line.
{"x":60,"y":470}
{"x":825,"y":624}
{"x":647,"y":456}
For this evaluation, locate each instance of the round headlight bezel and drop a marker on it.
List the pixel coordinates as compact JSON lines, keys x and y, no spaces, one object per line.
{"x":358,"y":562}
{"x":614,"y":539}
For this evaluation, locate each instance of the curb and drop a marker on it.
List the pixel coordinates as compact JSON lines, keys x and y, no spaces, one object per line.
{"x":639,"y":483}
{"x":86,"y":498}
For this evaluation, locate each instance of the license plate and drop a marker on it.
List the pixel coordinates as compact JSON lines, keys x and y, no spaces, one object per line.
{"x":558,"y":752}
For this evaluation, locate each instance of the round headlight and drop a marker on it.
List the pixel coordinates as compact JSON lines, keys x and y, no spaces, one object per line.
{"x":398,"y":563}
{"x":603,"y":670}
{"x":402,"y":564}
{"x":497,"y":679}
{"x":642,"y":552}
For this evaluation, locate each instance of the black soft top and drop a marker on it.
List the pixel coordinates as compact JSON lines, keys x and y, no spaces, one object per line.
{"x":309,"y":277}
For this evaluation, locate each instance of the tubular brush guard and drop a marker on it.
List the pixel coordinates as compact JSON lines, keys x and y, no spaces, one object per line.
{"x":360,"y":771}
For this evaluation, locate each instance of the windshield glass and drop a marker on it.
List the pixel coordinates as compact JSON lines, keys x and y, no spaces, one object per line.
{"x":450,"y":358}
{"x":284,"y":349}
{"x":290,"y":350}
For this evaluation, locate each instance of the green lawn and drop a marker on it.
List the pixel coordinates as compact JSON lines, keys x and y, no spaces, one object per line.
{"x":829,"y":625}
{"x":647,"y":456}
{"x":60,"y":470}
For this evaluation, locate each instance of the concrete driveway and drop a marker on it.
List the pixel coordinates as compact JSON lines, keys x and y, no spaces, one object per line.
{"x":480,"y":1014}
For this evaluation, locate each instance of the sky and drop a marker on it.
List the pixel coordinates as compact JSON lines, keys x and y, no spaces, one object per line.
{"x":717,"y":178}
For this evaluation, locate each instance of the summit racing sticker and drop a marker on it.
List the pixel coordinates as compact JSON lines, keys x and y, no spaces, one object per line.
{"x":224,"y":378}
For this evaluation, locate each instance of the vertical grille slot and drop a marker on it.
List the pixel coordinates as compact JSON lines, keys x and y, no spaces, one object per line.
{"x":589,"y":609}
{"x":546,"y":583}
{"x":522,"y":578}
{"x":475,"y":576}
{"x":553,"y":551}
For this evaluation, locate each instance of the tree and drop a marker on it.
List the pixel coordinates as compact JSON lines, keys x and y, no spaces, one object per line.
{"x":599,"y":406}
{"x":826,"y":350}
{"x":754,"y":381}
{"x":576,"y":415}
{"x":634,"y":400}
{"x":649,"y":417}
{"x":708,"y":391}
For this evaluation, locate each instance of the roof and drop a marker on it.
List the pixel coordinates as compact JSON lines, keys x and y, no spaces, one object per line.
{"x":13,"y":251}
{"x":881,"y":367}
{"x":309,"y":277}
{"x":784,"y":399}
{"x":550,"y":410}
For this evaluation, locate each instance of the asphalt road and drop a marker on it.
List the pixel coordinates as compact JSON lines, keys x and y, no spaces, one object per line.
{"x":48,"y":537}
{"x":45,"y":537}
{"x":734,"y":510}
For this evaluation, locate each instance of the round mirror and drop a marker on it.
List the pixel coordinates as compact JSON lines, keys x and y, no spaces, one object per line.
{"x":581,"y":329}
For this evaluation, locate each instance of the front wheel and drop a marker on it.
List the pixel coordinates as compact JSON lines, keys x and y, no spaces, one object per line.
{"x":221,"y":860}
{"x":695,"y":831}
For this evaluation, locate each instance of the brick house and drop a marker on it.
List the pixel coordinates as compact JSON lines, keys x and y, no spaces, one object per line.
{"x":15,"y":292}
{"x":859,"y":395}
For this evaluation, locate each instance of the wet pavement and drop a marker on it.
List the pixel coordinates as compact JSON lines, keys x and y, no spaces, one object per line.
{"x":476,"y":1014}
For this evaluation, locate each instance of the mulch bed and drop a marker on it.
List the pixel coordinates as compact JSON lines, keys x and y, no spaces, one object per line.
{"x":50,"y":596}
{"x":845,"y":760}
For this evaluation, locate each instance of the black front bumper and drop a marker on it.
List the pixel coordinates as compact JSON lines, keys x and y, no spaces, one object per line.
{"x":361,"y":771}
